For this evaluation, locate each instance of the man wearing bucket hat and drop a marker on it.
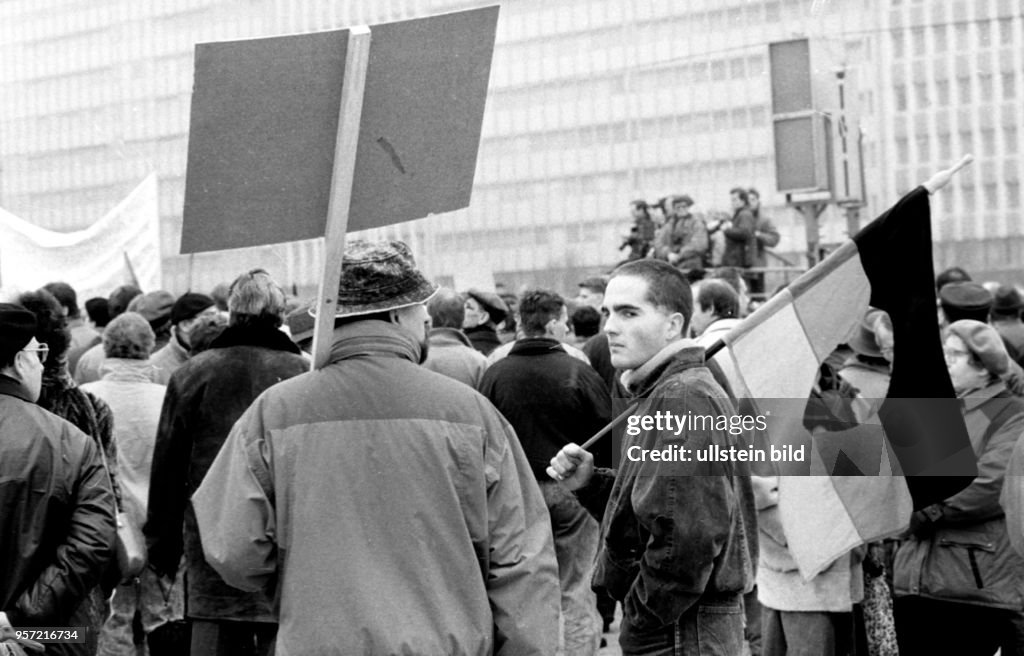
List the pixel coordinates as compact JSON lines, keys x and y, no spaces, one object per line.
{"x":204,"y":397}
{"x":57,"y":521}
{"x":380,"y":492}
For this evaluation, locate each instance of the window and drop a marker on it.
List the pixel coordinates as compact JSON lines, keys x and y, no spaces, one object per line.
{"x":898,"y":50}
{"x":737,"y":69}
{"x":961,"y":38}
{"x":718,"y":70}
{"x":984,"y":34}
{"x":942,"y":92}
{"x":755,"y":65}
{"x":988,"y":142}
{"x":902,"y":150}
{"x":917,"y":36}
{"x":946,"y":147}
{"x":921,"y":94}
{"x":967,"y":198}
{"x":1010,"y":139}
{"x":985,"y":92}
{"x":966,"y":141}
{"x":963,"y":85}
{"x":1013,"y":194}
{"x":1009,"y":86}
{"x":739,"y":118}
{"x":1006,"y":31}
{"x":924,"y":152}
{"x":940,"y":38}
{"x":900,"y":94}
{"x":991,"y":192}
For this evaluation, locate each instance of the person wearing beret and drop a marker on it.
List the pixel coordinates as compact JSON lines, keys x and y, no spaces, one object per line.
{"x":392,"y":507}
{"x":484,"y":311}
{"x":959,"y":585}
{"x":57,"y":527}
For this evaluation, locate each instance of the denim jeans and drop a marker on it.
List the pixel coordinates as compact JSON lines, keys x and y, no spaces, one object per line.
{"x":576,"y":536}
{"x":713,"y":627}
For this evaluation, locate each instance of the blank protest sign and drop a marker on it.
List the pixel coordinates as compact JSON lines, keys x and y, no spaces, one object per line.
{"x":265,"y":119}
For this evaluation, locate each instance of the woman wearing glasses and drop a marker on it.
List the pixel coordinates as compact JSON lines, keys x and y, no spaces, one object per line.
{"x":62,"y":396}
{"x":958,"y":583}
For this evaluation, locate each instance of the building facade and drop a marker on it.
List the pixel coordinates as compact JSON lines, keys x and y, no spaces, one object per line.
{"x":592,"y":103}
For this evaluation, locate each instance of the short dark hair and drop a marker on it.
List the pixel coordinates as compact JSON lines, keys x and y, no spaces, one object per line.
{"x":596,"y":284}
{"x":52,"y":327}
{"x":719,"y":297}
{"x":952,"y":274}
{"x":98,"y":310}
{"x":667,"y":286}
{"x":753,"y":192}
{"x":536,"y":308}
{"x":586,"y":321}
{"x":742,"y":193}
{"x":446,"y":309}
{"x":65,"y":295}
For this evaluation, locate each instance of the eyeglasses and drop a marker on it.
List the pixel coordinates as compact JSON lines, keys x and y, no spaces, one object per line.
{"x":41,"y":350}
{"x":952,"y":354}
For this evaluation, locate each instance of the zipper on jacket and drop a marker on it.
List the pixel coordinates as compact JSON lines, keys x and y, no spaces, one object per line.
{"x":974,"y":568}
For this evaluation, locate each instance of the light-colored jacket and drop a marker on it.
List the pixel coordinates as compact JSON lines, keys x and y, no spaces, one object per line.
{"x":452,"y":355}
{"x":167,"y":360}
{"x":779,"y":583}
{"x":393,"y":506}
{"x":135,"y":402}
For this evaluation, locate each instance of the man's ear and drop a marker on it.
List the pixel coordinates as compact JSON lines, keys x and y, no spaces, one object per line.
{"x":677,"y":323}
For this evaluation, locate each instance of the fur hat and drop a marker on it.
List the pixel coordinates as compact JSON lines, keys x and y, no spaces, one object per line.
{"x":379,"y":276}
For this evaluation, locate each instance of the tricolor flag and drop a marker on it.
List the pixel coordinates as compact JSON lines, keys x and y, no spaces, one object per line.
{"x":773,"y":358}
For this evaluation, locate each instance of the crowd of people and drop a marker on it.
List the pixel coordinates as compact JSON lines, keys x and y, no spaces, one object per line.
{"x":424,"y":491}
{"x":669,"y":230}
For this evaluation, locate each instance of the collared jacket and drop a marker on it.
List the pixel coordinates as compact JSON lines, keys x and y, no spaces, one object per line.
{"x":204,"y":398}
{"x":56,"y":515}
{"x":961,"y":550}
{"x":135,"y":403}
{"x":452,"y":355}
{"x":167,"y":360}
{"x":393,"y":507}
{"x":765,"y":236}
{"x":483,"y":338}
{"x":550,"y":398}
{"x":687,"y":237}
{"x":675,"y":532}
{"x":740,"y":240}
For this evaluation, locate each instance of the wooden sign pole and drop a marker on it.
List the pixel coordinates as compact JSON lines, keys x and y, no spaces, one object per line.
{"x":350,"y":113}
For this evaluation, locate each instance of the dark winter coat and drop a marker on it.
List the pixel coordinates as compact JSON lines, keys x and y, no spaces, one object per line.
{"x":56,"y":515}
{"x":550,"y":398}
{"x":204,"y":399}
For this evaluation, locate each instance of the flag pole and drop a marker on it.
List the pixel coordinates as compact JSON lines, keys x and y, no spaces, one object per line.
{"x":350,"y":113}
